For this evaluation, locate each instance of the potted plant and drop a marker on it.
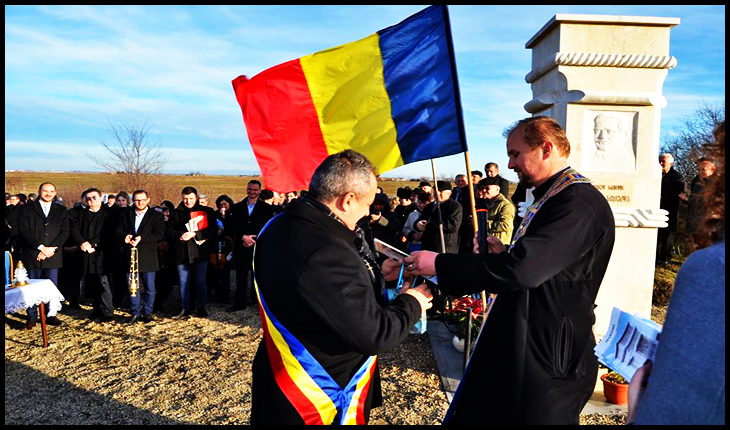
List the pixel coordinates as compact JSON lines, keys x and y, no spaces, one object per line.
{"x":615,"y":388}
{"x":456,"y":320}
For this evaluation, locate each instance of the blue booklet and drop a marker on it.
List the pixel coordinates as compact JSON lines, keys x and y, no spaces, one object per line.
{"x":629,"y":341}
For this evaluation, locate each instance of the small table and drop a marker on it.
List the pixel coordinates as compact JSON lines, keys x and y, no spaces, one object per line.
{"x":37,"y":292}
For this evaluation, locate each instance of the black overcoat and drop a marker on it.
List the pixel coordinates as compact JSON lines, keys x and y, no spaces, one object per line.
{"x":34,"y":229}
{"x":240,"y":224}
{"x":672,"y":187}
{"x":188,"y":252}
{"x":452,"y":214}
{"x":314,"y":281}
{"x":97,"y":228}
{"x":151,"y":230}
{"x":533,"y":362}
{"x":503,"y":186}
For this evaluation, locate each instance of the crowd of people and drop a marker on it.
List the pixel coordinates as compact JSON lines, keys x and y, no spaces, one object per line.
{"x":327,"y":315}
{"x":89,"y":249}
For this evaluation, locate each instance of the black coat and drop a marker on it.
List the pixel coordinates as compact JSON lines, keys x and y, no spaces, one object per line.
{"x":119,"y":263}
{"x":466,"y":229}
{"x":34,"y":229}
{"x":151,"y":230}
{"x":672,"y":187}
{"x":403,"y":212}
{"x":386,"y":228}
{"x":188,"y":252}
{"x":533,"y":362}
{"x":696,"y":204}
{"x":97,"y":228}
{"x":451,"y":213}
{"x":242,"y":224}
{"x":314,"y":281}
{"x":11,"y":219}
{"x":503,"y":186}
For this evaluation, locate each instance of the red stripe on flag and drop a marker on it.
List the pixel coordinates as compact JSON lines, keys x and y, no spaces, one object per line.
{"x":301,"y":403}
{"x":282,"y":125}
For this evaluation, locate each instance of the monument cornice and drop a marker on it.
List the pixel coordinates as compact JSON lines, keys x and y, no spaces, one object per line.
{"x":588,"y":59}
{"x":632,"y":98}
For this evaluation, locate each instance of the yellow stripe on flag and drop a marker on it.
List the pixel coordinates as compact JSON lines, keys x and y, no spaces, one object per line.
{"x":349,"y":95}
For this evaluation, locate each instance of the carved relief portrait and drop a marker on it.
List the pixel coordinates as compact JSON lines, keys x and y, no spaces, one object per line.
{"x":613,"y":147}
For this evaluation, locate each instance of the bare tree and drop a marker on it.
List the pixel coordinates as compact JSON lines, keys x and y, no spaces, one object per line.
{"x":136,"y":159}
{"x":687,"y":141}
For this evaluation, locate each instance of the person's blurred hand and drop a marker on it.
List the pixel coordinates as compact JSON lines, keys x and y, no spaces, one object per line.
{"x":422,"y":293}
{"x":636,"y":389}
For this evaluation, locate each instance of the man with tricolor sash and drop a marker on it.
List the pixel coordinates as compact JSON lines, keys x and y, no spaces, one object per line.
{"x":533,"y":362}
{"x":323,"y":312}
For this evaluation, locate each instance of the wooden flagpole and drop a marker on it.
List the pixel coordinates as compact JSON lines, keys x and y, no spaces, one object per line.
{"x":474,"y":217}
{"x":438,"y":206}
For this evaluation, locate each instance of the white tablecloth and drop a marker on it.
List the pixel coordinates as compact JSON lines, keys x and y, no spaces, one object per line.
{"x":37,"y":291}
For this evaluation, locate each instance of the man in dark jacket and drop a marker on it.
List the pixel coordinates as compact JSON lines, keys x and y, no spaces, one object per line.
{"x":447,"y":216}
{"x":445,"y":219}
{"x":320,"y":287}
{"x":247,"y":218}
{"x":672,"y":187}
{"x":70,"y":275}
{"x":43,"y":228}
{"x":190,"y":227}
{"x":461,"y":194}
{"x":382,"y":223}
{"x":492,"y":170}
{"x":533,"y":363}
{"x":92,"y":230}
{"x":141,"y":228}
{"x":696,"y":200}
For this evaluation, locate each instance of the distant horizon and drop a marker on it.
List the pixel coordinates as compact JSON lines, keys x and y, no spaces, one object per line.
{"x":185,"y":174}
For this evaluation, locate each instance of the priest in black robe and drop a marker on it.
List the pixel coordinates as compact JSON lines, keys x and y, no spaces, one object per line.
{"x":533,"y":362}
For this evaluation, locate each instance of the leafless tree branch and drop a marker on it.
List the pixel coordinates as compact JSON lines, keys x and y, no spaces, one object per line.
{"x":135,"y":157}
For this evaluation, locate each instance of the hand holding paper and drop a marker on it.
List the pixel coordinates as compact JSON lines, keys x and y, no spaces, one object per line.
{"x":629,"y":342}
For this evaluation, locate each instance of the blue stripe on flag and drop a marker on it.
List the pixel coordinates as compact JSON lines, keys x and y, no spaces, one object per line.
{"x":418,"y":78}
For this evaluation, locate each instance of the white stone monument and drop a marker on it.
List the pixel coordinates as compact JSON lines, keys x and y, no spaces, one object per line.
{"x":601,"y":77}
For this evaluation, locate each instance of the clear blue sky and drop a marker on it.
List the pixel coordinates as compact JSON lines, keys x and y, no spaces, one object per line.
{"x":71,"y":70}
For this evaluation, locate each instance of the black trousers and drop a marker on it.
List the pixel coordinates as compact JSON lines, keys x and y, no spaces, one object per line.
{"x":97,"y":285}
{"x":243,"y":264}
{"x":665,"y":244}
{"x":240,"y":297}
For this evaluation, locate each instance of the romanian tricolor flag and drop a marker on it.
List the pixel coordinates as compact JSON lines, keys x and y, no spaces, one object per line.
{"x":392,"y":96}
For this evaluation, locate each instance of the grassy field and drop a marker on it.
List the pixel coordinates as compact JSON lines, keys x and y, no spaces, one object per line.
{"x":70,"y":185}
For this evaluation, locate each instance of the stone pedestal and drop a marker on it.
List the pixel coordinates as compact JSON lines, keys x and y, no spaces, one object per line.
{"x":601,"y":77}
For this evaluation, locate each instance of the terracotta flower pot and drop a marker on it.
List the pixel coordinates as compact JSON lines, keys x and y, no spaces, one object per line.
{"x":617,"y":394}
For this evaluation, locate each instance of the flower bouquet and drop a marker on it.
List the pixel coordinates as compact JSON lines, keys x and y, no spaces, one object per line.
{"x":457,"y":316}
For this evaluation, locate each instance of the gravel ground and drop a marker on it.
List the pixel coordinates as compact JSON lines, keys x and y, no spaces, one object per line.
{"x":194,"y":371}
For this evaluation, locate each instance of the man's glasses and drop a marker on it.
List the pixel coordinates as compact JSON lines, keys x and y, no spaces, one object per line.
{"x":94,"y":198}
{"x":142,"y":200}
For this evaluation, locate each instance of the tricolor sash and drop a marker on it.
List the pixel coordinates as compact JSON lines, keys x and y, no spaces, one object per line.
{"x":317,"y":397}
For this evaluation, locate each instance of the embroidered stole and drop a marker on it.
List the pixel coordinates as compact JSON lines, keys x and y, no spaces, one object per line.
{"x":568,"y":177}
{"x":317,"y":397}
